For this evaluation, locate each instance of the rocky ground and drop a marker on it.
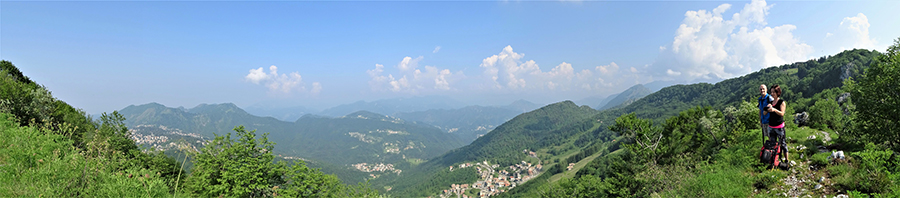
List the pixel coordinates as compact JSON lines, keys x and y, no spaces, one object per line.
{"x":805,"y":179}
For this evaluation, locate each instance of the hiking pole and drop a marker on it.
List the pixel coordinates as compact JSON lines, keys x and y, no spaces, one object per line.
{"x":763,"y":134}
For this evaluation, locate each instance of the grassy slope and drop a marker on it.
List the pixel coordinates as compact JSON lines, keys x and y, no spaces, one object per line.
{"x":35,"y":162}
{"x":571,"y":173}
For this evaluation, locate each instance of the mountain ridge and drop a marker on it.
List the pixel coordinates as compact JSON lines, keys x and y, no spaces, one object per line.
{"x":359,"y":137}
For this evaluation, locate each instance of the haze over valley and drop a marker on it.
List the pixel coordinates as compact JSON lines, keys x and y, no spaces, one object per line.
{"x":449,"y":99}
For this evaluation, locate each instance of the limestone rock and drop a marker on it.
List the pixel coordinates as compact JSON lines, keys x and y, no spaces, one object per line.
{"x":801,"y":119}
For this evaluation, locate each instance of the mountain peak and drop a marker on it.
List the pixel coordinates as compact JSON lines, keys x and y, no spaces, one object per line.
{"x":222,"y":107}
{"x":627,"y":97}
{"x":142,"y":108}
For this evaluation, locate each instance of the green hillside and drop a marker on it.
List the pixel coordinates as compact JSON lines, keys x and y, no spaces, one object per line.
{"x":51,"y":149}
{"x":333,"y":144}
{"x":544,"y":127}
{"x":816,"y":76}
{"x":554,"y":129}
{"x":703,"y":123}
{"x":205,"y":119}
{"x":710,"y":151}
{"x":697,"y":140}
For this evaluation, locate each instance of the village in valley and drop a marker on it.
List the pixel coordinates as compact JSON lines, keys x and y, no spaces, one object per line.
{"x":492,"y":180}
{"x":380,"y":167}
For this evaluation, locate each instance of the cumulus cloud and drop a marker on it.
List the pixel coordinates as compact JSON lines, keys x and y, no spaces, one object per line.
{"x":436,"y":50}
{"x":409,"y":63}
{"x":412,"y":80}
{"x":505,"y":72}
{"x":509,"y":70}
{"x":256,"y":75}
{"x":852,"y":33}
{"x":608,"y":69}
{"x":707,"y":45}
{"x":280,"y":83}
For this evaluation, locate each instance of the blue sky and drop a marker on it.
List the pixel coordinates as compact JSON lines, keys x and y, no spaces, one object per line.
{"x":103,"y":56}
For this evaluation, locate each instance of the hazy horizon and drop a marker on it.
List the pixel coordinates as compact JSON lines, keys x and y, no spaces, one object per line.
{"x":104,"y":56}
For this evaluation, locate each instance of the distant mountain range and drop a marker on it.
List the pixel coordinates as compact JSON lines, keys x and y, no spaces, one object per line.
{"x":467,"y":123}
{"x":289,"y":114}
{"x":360,"y":137}
{"x":620,"y":99}
{"x":625,"y":98}
{"x":396,"y":105}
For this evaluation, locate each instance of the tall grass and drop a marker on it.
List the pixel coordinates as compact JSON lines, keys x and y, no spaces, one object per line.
{"x":35,"y":162}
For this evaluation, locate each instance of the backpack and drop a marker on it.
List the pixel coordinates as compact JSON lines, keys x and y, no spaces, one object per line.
{"x":770,"y":154}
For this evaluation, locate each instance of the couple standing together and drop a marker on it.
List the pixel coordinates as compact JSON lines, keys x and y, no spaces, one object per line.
{"x":771,"y":112}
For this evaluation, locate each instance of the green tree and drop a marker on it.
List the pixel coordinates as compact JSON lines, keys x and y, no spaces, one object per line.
{"x":302,"y":181}
{"x":245,"y":167}
{"x":877,"y":99}
{"x":241,"y":167}
{"x":826,"y":114}
{"x":644,"y":139}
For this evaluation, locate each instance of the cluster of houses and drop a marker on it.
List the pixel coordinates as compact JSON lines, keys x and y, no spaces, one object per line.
{"x":380,"y":167}
{"x":362,"y":137}
{"x":529,"y":153}
{"x":148,"y":139}
{"x":161,"y":142}
{"x":493,"y":182}
{"x":391,"y":147}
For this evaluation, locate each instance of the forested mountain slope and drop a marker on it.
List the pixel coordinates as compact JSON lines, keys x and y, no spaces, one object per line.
{"x":204,"y":119}
{"x":532,"y":131}
{"x":553,"y":127}
{"x":625,"y":98}
{"x":467,"y":123}
{"x":361,"y":137}
{"x":711,"y":151}
{"x":800,"y":81}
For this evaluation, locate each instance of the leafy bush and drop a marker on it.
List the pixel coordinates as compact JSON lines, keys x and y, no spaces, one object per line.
{"x":867,"y":171}
{"x":820,"y":159}
{"x":245,"y":167}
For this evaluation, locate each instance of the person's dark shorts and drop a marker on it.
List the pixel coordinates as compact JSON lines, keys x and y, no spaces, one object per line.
{"x":778,"y":135}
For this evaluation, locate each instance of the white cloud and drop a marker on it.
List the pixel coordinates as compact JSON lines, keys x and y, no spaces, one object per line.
{"x":608,"y":69}
{"x":707,"y":45}
{"x":412,"y":80}
{"x":409,"y":63}
{"x":283,"y":83}
{"x":509,"y":71}
{"x":436,"y":50}
{"x":852,"y":33}
{"x":505,"y":72}
{"x":672,"y":73}
{"x":256,"y":75}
